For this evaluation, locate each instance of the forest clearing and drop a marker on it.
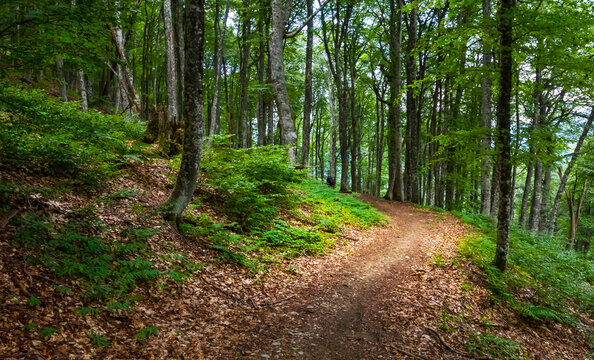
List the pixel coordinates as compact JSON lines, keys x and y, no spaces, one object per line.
{"x":276,"y":179}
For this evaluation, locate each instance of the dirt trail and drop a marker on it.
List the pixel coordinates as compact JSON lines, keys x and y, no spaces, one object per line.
{"x":344,"y":315}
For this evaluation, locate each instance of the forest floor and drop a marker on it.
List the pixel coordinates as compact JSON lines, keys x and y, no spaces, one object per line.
{"x":399,"y":291}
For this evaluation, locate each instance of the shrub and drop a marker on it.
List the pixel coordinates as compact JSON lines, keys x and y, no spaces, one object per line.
{"x":45,"y":136}
{"x":253,"y":183}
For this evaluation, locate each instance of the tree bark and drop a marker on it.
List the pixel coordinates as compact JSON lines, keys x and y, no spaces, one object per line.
{"x":261,"y":72}
{"x":413,"y":143}
{"x":565,"y":176}
{"x":126,"y":77}
{"x":395,"y":181}
{"x":503,"y":132}
{"x":277,"y":71}
{"x":486,"y":116}
{"x":544,"y":204}
{"x":193,"y":115}
{"x":215,"y":117}
{"x":526,"y":195}
{"x":61,"y":79}
{"x":172,"y":105}
{"x":308,"y":86}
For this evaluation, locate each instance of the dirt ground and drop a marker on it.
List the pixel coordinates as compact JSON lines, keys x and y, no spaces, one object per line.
{"x":385,"y":300}
{"x":394,"y":292}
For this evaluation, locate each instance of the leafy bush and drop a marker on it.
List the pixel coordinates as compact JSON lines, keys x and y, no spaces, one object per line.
{"x":558,"y":279}
{"x":45,"y":136}
{"x":294,"y":240}
{"x":253,"y":183}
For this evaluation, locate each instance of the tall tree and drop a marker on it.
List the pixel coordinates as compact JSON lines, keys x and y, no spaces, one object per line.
{"x":193,"y":114}
{"x":220,"y":28}
{"x":503,"y":143}
{"x":172,"y":105}
{"x":307,"y":102}
{"x":486,"y":112}
{"x":277,"y":72}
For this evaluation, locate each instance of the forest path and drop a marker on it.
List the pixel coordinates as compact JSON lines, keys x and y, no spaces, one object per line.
{"x":364,"y":308}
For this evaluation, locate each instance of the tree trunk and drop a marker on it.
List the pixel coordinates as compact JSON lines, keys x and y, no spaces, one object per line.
{"x":486,"y":117}
{"x":83,"y":90}
{"x":180,"y":55}
{"x":193,"y":115}
{"x":261,"y":72}
{"x":61,"y":79}
{"x":565,"y":176}
{"x":395,"y":183}
{"x":526,"y":195}
{"x":413,"y":143}
{"x":215,"y":117}
{"x":332,"y":160}
{"x":172,"y":105}
{"x":544,"y":204}
{"x":277,"y":68}
{"x":379,"y":151}
{"x":244,"y":126}
{"x":308,"y":87}
{"x":126,"y":77}
{"x":503,"y":133}
{"x":574,"y":213}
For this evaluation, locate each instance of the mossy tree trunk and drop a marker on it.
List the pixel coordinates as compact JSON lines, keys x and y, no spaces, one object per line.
{"x":193,"y":114}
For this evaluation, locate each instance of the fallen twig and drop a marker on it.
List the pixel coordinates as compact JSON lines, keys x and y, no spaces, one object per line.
{"x":445,"y":345}
{"x":405,"y":352}
{"x":266,"y":303}
{"x":235,"y":298}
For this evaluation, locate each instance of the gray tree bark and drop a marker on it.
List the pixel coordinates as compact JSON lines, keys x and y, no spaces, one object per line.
{"x":61,"y":79}
{"x":308,"y":87}
{"x":565,"y":176}
{"x":413,"y":143}
{"x":215,"y":117}
{"x":193,"y":115}
{"x":486,"y":117}
{"x":395,"y":183}
{"x":277,"y":71}
{"x":172,"y":105}
{"x":503,"y":134}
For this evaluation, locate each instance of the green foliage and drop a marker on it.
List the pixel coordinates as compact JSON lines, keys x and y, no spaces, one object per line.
{"x":558,"y":279}
{"x":47,"y":331}
{"x":44,"y":136}
{"x":30,"y":326}
{"x":294,"y":240}
{"x":87,"y":311}
{"x":33,"y":301}
{"x":98,"y":340}
{"x":146,"y":332}
{"x":252,"y":183}
{"x":330,"y":209}
{"x":76,"y":251}
{"x":495,"y":346}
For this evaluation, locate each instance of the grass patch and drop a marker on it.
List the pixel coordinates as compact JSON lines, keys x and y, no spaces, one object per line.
{"x":555,"y":279}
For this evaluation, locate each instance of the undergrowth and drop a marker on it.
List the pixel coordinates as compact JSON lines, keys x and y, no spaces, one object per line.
{"x":544,"y":281}
{"x":44,"y":136}
{"x":101,"y":270}
{"x":267,"y":210}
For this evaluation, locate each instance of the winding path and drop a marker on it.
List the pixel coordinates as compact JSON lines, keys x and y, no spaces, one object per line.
{"x":349,"y":313}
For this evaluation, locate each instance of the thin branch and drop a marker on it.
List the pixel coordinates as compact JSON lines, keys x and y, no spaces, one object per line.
{"x":294,"y":33}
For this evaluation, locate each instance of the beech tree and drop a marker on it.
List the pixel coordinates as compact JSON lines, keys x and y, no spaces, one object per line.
{"x":193,"y":114}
